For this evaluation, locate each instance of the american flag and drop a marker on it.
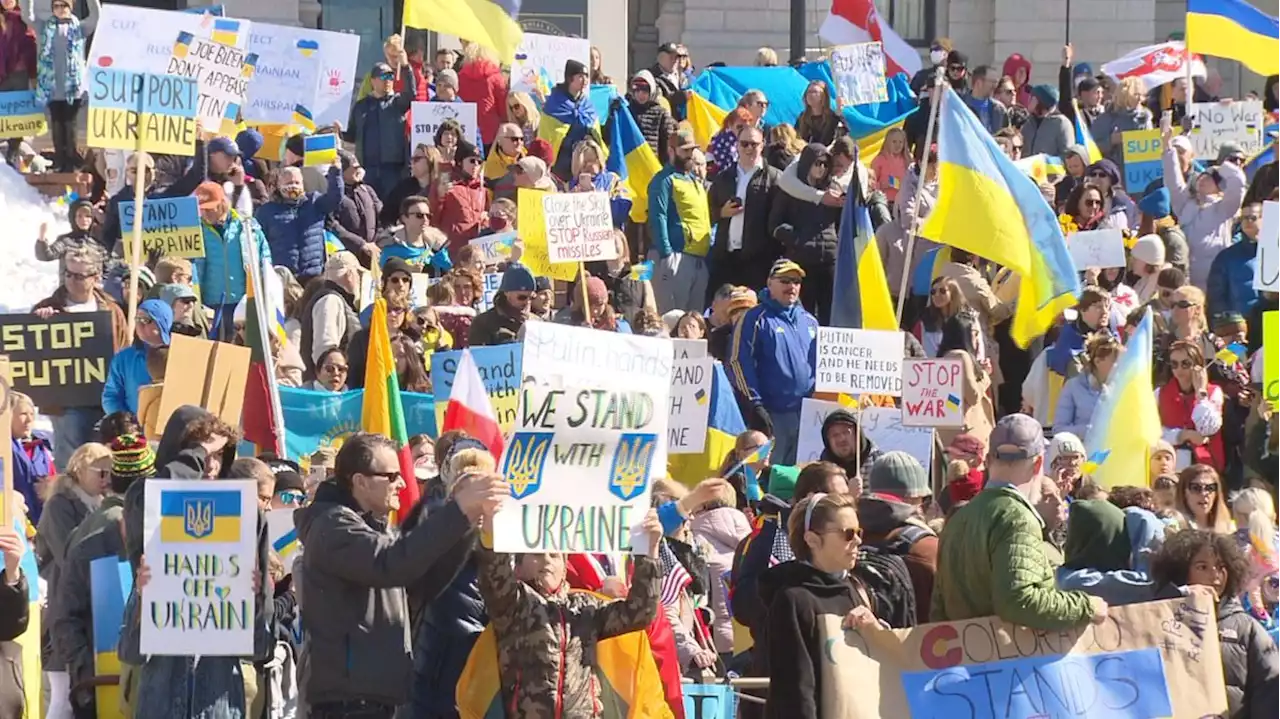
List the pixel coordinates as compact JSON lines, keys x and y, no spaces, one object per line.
{"x":674,"y":576}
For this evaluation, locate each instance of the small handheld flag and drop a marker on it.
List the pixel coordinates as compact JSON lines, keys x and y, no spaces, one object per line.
{"x":1232,"y":353}
{"x":759,"y":454}
{"x":302,"y":118}
{"x":642,"y":271}
{"x":319,"y":150}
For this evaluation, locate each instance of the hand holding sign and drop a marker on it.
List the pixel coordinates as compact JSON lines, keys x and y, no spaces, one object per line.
{"x":480,"y":494}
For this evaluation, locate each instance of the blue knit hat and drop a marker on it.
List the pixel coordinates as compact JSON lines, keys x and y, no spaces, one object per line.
{"x":1156,"y":204}
{"x":1046,"y":95}
{"x":1082,"y":68}
{"x":517,"y":278}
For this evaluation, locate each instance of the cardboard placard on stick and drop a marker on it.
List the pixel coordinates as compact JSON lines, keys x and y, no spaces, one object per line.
{"x":206,"y":374}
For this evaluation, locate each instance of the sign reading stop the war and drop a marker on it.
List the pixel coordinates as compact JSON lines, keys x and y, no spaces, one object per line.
{"x":932,"y":393}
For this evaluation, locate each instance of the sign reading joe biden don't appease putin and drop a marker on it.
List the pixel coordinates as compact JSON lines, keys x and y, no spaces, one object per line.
{"x":61,"y":361}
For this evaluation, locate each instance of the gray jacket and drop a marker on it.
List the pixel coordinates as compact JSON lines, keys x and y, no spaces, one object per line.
{"x":1249,"y":662}
{"x":1117,"y":120}
{"x":62,"y":514}
{"x":354,"y":606}
{"x":1206,"y":225}
{"x":1051,"y":135}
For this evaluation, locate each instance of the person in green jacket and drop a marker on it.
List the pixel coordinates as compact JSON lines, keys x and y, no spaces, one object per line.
{"x":990,"y":556}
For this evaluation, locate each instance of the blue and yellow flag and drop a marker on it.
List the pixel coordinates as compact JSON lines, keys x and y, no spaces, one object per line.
{"x":207,"y":515}
{"x":491,"y":23}
{"x":1236,"y":30}
{"x":1127,"y":421}
{"x":988,"y":207}
{"x":566,"y":120}
{"x":319,"y":150}
{"x":302,"y":118}
{"x":724,"y":424}
{"x":1084,"y":137}
{"x":864,"y":299}
{"x":225,"y":31}
{"x":705,"y":117}
{"x":110,"y":581}
{"x":632,"y":159}
{"x":642,"y":271}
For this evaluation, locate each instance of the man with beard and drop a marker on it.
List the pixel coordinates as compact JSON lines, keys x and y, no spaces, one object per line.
{"x":293,"y":221}
{"x":680,"y":230}
{"x":840,"y":446}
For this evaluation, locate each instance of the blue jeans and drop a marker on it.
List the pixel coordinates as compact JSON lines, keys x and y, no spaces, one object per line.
{"x":71,"y":429}
{"x":786,"y":437}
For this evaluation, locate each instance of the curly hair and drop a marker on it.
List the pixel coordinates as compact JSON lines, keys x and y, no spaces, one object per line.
{"x":205,"y":428}
{"x":1172,"y":565}
{"x":1125,"y":497}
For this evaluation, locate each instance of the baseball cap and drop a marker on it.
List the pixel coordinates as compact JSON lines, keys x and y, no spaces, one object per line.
{"x":684,"y":139}
{"x":210,"y":195}
{"x":1017,"y":436}
{"x":785,"y":267}
{"x":171,"y":293}
{"x":742,"y":298}
{"x":225,"y":145}
{"x":669,"y":47}
{"x":380,"y":69}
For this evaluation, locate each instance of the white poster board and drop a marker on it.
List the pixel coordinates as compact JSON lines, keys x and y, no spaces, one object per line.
{"x":859,"y":361}
{"x":201,"y":547}
{"x":689,"y":349}
{"x":560,"y":357}
{"x":219,"y":72}
{"x":933,"y":393}
{"x":1213,"y":123}
{"x":492,"y":281}
{"x":858,"y":73}
{"x":1266,"y":270}
{"x":882,"y":424}
{"x":579,"y":227}
{"x":283,"y":535}
{"x":428,"y":116}
{"x":288,"y":74}
{"x":690,"y":405}
{"x":1097,"y":248}
{"x":540,"y":59}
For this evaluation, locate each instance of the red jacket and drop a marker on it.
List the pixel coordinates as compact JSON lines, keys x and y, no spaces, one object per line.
{"x":481,"y":82}
{"x":462,"y":212}
{"x":1175,"y":411}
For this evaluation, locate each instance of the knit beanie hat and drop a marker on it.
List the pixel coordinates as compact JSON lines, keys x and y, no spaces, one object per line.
{"x":131,"y":459}
{"x":1046,"y":95}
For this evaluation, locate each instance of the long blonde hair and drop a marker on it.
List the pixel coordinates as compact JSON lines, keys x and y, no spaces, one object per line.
{"x":1129,"y":94}
{"x":1191,"y":293}
{"x":475,"y":51}
{"x":83,"y":458}
{"x":580,"y":151}
{"x":530,"y":111}
{"x":1260,"y":516}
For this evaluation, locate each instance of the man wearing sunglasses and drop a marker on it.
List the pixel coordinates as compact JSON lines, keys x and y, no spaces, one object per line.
{"x":377,"y":127}
{"x":740,"y":197}
{"x":1230,"y":288}
{"x":671,"y":82}
{"x":501,"y":324}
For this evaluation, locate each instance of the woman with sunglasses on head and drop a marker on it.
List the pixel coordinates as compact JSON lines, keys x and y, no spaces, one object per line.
{"x":1191,"y":409}
{"x":523,"y":113}
{"x":825,"y":535}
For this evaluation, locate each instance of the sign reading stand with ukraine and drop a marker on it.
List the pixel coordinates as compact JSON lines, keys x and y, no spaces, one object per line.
{"x":200,"y":547}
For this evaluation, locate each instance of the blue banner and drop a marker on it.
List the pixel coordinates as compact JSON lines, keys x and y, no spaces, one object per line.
{"x":709,"y":701}
{"x":110,"y":581}
{"x":499,"y":368}
{"x":315,"y":419}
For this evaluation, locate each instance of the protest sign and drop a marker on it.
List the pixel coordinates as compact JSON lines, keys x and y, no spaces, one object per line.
{"x":137,"y":39}
{"x":283,"y":535}
{"x":1266,"y":270}
{"x":202,"y":549}
{"x":1142,"y":152}
{"x":61,"y":361}
{"x":689,"y":349}
{"x":419,"y":284}
{"x":709,"y":701}
{"x":221,"y":73}
{"x":6,"y":439}
{"x":1156,"y":659}
{"x":20,"y":116}
{"x":1215,"y":123}
{"x":492,"y":281}
{"x":579,"y":227}
{"x":170,"y":227}
{"x":590,"y":435}
{"x":859,"y":361}
{"x":533,"y":233}
{"x":690,"y":405}
{"x":1271,"y":358}
{"x":882,"y":424}
{"x":426,"y":118}
{"x":1097,"y":248}
{"x":140,"y":111}
{"x":858,"y":73}
{"x":539,"y":61}
{"x":110,"y":583}
{"x":499,"y":367}
{"x":933,"y":393}
{"x":204,"y":374}
{"x":495,"y":249}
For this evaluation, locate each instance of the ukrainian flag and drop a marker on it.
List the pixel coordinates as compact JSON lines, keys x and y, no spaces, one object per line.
{"x":705,"y":118}
{"x":986,"y":206}
{"x":864,"y":300}
{"x":642,"y":271}
{"x":110,"y":581}
{"x":207,"y":515}
{"x":631,"y":158}
{"x":1236,"y":30}
{"x":319,"y":150}
{"x":492,"y":23}
{"x":560,"y":114}
{"x":226,"y":31}
{"x":724,"y":424}
{"x":760,"y":454}
{"x":302,"y":118}
{"x":929,"y":269}
{"x":1127,"y":422}
{"x":1084,"y":137}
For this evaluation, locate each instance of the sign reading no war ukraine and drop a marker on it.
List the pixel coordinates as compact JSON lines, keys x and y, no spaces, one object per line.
{"x":170,"y":227}
{"x":20,"y":116}
{"x":141,"y":111}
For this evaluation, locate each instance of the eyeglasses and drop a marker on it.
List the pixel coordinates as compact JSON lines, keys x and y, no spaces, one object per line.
{"x":1243,"y":218}
{"x":517,"y":140}
{"x":848,"y":535}
{"x":399,"y":280}
{"x":955,"y":68}
{"x":392,"y":476}
{"x":386,"y":76}
{"x":1184,"y":304}
{"x":788,"y":280}
{"x":1198,"y":488}
{"x":417,"y":215}
{"x":77,"y":276}
{"x":1098,"y":173}
{"x":334,"y":368}
{"x":748,"y":144}
{"x":1184,"y":364}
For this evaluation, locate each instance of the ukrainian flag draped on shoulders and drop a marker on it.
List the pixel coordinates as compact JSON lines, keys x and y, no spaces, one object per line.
{"x":990,"y":208}
{"x":566,"y":121}
{"x":383,"y":411}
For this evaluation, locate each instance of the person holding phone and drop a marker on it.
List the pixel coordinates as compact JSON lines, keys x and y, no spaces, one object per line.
{"x":740,"y":197}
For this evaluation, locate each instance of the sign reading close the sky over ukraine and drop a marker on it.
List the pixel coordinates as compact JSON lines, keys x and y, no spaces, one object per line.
{"x":933,"y":392}
{"x":579,"y":227}
{"x":222,"y":73}
{"x":201,"y":547}
{"x":858,"y":73}
{"x":20,"y":116}
{"x":590,"y":437}
{"x":141,"y":111}
{"x":859,"y":361}
{"x":170,"y":227}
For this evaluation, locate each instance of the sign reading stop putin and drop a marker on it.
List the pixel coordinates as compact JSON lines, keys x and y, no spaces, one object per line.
{"x":933,"y":393}
{"x":579,"y":227}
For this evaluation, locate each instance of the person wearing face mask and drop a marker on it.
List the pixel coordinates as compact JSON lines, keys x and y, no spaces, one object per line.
{"x":293,"y":221}
{"x":355,"y":221}
{"x":501,"y":324}
{"x":128,"y":369}
{"x":377,"y":126}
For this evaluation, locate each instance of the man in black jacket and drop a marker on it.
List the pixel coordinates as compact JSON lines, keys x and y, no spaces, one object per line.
{"x":740,"y":198}
{"x":672,"y":83}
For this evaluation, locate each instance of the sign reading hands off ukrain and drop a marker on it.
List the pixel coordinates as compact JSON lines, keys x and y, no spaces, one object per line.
{"x":201,"y":549}
{"x":590,"y":437}
{"x":1158,"y":659}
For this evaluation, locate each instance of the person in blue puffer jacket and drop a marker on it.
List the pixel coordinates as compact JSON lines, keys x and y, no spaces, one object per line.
{"x":1108,"y":552}
{"x":128,"y":370}
{"x":293,"y":221}
{"x":1230,"y":284}
{"x":220,"y":273}
{"x":773,"y":359}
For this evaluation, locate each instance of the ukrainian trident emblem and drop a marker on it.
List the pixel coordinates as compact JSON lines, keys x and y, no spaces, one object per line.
{"x":197,"y":518}
{"x":629,"y":475}
{"x":523,"y":462}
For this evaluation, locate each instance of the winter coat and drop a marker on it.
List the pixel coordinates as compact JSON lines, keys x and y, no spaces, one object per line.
{"x":1207,"y":225}
{"x":15,"y":613}
{"x":32,"y":461}
{"x":65,"y":509}
{"x":772,"y":362}
{"x":357,"y":572}
{"x":546,"y":643}
{"x":126,"y":374}
{"x":1076,"y":403}
{"x":406,"y":188}
{"x":66,"y":80}
{"x":895,"y":528}
{"x":349,"y":321}
{"x":481,"y":81}
{"x":19,"y":43}
{"x":798,"y":595}
{"x":809,"y":234}
{"x":655,"y":121}
{"x":991,"y":562}
{"x":1249,"y":662}
{"x":679,"y":217}
{"x":356,"y":221}
{"x":1051,"y":135}
{"x":498,"y":325}
{"x":63,"y":245}
{"x":1230,"y":282}
{"x":824,"y":131}
{"x":461,"y":211}
{"x":377,"y":125}
{"x":295,"y":229}
{"x":722,"y":529}
{"x":1118,"y":120}
{"x":221,"y":273}
{"x":758,"y":247}
{"x":58,"y":302}
{"x":1124,"y":576}
{"x":870,"y":453}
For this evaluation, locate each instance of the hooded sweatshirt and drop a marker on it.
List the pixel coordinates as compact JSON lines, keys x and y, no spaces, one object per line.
{"x":1108,"y":550}
{"x":849,"y":464}
{"x":1011,"y":67}
{"x":655,"y":121}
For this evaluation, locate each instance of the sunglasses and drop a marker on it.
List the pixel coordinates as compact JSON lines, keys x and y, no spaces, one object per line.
{"x":1184,"y":304}
{"x":1272,"y":582}
{"x":399,"y":280}
{"x":517,"y":140}
{"x":788,"y":280}
{"x":1017,"y":147}
{"x":1199,"y":488}
{"x":1098,"y":173}
{"x":334,"y":368}
{"x":386,"y":76}
{"x":1093,"y":203}
{"x":389,"y":476}
{"x":1236,"y":160}
{"x":1184,"y":364}
{"x":77,"y":276}
{"x":426,"y":323}
{"x":292,"y":497}
{"x":848,"y":535}
{"x":417,"y":215}
{"x":938,"y":291}
{"x":955,"y":68}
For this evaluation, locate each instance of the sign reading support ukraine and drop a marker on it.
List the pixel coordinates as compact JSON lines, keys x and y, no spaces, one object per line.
{"x":140,"y":111}
{"x":201,"y":550}
{"x":20,"y":116}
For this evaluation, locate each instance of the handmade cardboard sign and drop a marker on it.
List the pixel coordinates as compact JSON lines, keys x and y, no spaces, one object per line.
{"x":426,"y":118}
{"x":690,"y":405}
{"x":140,"y":111}
{"x":933,"y":393}
{"x":1214,"y":124}
{"x":1097,"y":248}
{"x":222,"y":73}
{"x":20,"y":116}
{"x":61,"y":361}
{"x":1266,"y":270}
{"x":858,"y":72}
{"x":859,"y":361}
{"x":882,"y":424}
{"x":170,"y":227}
{"x":206,"y":374}
{"x":579,"y":227}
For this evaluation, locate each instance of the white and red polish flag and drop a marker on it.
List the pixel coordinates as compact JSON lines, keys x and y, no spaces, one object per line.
{"x":1156,"y":65}
{"x":854,"y":21}
{"x":469,"y":408}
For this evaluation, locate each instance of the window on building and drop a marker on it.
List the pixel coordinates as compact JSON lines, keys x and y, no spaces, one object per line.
{"x":914,"y":20}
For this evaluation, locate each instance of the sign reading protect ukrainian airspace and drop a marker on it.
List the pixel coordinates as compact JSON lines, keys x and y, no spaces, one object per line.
{"x":61,"y":361}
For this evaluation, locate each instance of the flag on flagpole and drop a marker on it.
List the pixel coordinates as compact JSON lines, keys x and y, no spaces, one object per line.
{"x":1156,"y":65}
{"x":1084,"y":136}
{"x":863,"y":300}
{"x":631,"y":158}
{"x":674,"y":576}
{"x":1236,"y":30}
{"x":382,"y":411}
{"x":1127,"y":421}
{"x":855,"y":21}
{"x":469,"y":408}
{"x":491,"y":23}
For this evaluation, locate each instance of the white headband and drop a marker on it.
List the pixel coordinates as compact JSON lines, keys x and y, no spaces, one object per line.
{"x":813,"y":502}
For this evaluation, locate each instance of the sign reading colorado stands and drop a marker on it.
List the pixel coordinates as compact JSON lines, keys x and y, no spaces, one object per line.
{"x":61,"y":361}
{"x":139,"y":111}
{"x":590,"y":435}
{"x":859,"y":361}
{"x":170,"y":227}
{"x":579,"y":227}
